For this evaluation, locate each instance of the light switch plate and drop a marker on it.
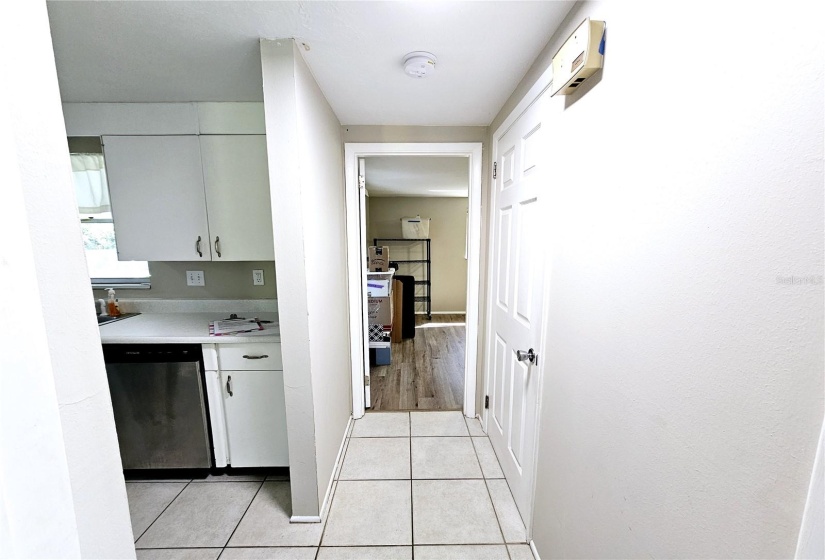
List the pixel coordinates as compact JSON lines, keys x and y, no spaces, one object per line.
{"x":257,"y":277}
{"x":195,"y":278}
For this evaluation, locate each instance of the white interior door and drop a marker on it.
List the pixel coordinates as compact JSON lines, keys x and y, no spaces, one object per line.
{"x":516,"y":292}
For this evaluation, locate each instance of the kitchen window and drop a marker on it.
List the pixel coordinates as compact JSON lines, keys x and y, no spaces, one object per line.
{"x":97,"y":225}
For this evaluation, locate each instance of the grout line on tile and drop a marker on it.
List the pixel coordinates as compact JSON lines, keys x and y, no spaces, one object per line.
{"x":386,"y":479}
{"x":363,"y":546}
{"x":412,"y":505}
{"x":185,"y":486}
{"x":483,"y":474}
{"x":443,"y":436}
{"x":267,"y":546}
{"x":383,"y":437}
{"x":249,"y":505}
{"x":490,"y":496}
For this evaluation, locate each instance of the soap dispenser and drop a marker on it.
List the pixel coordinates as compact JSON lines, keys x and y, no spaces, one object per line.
{"x":111,"y":305}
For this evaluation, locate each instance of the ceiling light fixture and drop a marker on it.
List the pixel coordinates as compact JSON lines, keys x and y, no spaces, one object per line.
{"x":419,"y":64}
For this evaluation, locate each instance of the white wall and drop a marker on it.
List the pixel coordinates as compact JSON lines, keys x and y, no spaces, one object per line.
{"x":322,"y":183}
{"x":683,"y":388}
{"x":63,"y":493}
{"x":306,"y":177}
{"x":35,"y":490}
{"x":448,"y":233}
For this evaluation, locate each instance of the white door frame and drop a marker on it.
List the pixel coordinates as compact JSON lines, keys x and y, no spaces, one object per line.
{"x":532,"y":96}
{"x":356,"y":247}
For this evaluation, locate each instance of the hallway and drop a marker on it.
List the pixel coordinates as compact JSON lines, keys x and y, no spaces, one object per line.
{"x":427,"y":372}
{"x":423,"y":485}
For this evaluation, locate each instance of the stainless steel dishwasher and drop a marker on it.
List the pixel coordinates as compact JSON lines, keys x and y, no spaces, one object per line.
{"x":158,"y":400}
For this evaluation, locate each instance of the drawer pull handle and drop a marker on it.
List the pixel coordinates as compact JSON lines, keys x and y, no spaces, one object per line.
{"x":198,"y":246}
{"x":255,"y":357}
{"x":229,"y":386}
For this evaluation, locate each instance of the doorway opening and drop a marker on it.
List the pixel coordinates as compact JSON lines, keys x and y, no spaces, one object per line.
{"x":436,"y":272}
{"x":421,"y":366}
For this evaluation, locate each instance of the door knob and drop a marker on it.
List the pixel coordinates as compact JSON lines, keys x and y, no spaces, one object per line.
{"x":528,"y":356}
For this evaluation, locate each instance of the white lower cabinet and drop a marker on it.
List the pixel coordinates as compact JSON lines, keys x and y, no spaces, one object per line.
{"x":253,"y":403}
{"x":245,"y":388}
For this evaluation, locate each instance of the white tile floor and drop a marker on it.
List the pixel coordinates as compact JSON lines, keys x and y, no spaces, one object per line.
{"x":411,"y":485}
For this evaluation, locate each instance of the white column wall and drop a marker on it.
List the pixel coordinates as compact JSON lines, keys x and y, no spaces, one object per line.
{"x":305,"y":154}
{"x":321,"y":164}
{"x":280,"y":109}
{"x":64,"y":336}
{"x":37,"y":517}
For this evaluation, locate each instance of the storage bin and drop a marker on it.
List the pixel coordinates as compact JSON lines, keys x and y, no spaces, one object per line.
{"x":415,"y":228}
{"x":380,"y":356}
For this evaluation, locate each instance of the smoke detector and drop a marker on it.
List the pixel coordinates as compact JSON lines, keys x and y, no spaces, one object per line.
{"x":419,"y":64}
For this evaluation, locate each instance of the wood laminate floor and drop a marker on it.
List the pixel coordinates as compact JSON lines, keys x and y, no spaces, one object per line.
{"x":427,"y":372}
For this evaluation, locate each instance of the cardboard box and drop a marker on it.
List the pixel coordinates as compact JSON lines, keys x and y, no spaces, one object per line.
{"x":379,"y":259}
{"x":379,"y":311}
{"x":378,"y":288}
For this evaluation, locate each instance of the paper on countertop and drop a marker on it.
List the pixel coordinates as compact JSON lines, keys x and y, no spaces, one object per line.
{"x":234,"y":326}
{"x":268,"y":329}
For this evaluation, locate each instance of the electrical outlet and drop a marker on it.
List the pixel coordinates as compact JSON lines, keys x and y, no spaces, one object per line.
{"x":195,"y":278}
{"x":257,"y":277}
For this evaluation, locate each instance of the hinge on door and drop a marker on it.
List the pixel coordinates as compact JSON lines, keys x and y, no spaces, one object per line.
{"x":495,"y":169}
{"x":487,"y":401}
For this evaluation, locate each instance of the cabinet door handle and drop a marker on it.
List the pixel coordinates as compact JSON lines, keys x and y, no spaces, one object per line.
{"x":198,"y":246}
{"x":261,"y":357}
{"x":229,"y":385}
{"x":218,"y":245}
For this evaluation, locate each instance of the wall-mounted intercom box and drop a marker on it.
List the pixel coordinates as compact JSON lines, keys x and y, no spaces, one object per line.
{"x":579,"y":57}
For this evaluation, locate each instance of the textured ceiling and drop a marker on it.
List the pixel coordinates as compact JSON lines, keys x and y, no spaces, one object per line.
{"x":136,"y":51}
{"x":418,"y":176}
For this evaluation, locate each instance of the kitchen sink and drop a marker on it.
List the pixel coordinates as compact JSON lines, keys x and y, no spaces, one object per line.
{"x":106,"y":319}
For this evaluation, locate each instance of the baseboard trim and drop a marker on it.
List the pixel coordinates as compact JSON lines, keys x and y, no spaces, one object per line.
{"x":533,"y":548}
{"x":338,"y":460}
{"x":305,"y":519}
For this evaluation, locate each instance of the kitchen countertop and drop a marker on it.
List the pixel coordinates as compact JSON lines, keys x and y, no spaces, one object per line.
{"x":183,"y":328}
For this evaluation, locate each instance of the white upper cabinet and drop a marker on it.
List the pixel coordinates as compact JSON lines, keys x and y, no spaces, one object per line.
{"x":190,"y":198}
{"x":157,"y":195}
{"x":236,"y":179}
